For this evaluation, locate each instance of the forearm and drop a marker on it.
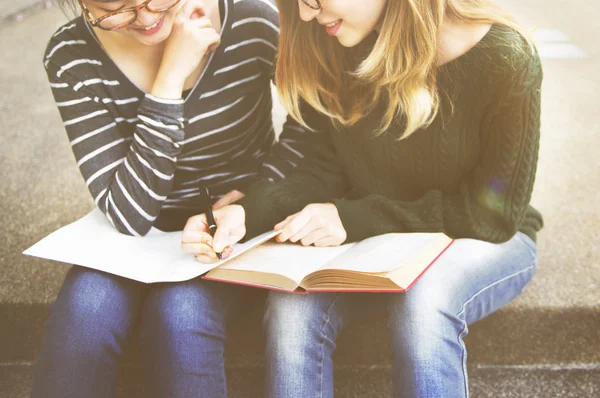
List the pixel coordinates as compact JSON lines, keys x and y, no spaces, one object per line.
{"x":132,"y":193}
{"x":268,"y":203}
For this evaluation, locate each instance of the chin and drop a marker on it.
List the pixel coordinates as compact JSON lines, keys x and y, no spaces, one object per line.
{"x":152,"y":41}
{"x":350,"y":40}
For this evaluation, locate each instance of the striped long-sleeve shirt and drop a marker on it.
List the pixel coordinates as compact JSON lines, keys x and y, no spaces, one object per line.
{"x":144,"y":158}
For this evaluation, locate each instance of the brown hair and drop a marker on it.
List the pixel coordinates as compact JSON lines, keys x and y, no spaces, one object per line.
{"x":400,"y":69}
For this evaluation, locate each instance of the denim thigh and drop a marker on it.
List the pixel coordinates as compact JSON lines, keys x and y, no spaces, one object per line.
{"x":427,"y":324}
{"x":87,"y":329}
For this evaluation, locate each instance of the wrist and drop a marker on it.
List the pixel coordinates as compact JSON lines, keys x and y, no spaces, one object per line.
{"x":167,"y":85}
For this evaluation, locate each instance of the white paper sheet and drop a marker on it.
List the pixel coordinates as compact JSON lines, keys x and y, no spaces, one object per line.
{"x":157,"y":257}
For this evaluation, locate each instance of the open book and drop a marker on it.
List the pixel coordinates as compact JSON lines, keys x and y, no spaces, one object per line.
{"x":390,"y":262}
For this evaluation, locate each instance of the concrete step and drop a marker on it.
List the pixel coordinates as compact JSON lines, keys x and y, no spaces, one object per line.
{"x":246,"y":382}
{"x":512,"y":336}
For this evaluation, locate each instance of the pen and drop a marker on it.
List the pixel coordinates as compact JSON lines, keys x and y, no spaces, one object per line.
{"x":212,"y":225}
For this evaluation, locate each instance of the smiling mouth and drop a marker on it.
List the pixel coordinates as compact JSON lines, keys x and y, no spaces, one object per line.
{"x":154,"y":25}
{"x":332,"y":24}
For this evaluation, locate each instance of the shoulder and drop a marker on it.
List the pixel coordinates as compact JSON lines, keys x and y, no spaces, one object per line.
{"x":70,"y":42}
{"x":255,"y":13}
{"x":512,"y":57}
{"x":266,"y":8}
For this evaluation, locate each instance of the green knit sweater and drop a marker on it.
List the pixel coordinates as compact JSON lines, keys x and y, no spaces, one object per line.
{"x":470,"y":174}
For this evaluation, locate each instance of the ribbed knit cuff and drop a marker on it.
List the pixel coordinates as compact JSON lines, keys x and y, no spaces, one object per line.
{"x":355,"y":221}
{"x":166,"y":112}
{"x":258,"y":209}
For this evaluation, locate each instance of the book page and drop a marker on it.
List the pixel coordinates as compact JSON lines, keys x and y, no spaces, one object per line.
{"x":157,"y":257}
{"x":240,"y":248}
{"x":384,"y":253}
{"x":94,"y":243}
{"x":290,"y":260}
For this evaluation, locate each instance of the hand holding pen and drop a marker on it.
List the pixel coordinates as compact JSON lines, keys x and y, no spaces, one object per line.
{"x":210,"y":217}
{"x":226,"y":224}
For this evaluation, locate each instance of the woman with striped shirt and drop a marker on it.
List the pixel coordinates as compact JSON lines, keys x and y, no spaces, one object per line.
{"x":160,"y":99}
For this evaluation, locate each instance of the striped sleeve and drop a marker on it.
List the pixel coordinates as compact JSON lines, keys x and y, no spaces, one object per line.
{"x":128,"y":175}
{"x":293,"y":144}
{"x":291,"y":149}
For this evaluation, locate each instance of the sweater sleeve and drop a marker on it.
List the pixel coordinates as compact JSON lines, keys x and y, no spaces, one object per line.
{"x":129,"y":176}
{"x":491,"y":201}
{"x":318,"y":179}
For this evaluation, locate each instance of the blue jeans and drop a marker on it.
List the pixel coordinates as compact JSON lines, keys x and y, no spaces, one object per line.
{"x":426,"y":325}
{"x":181,"y":329}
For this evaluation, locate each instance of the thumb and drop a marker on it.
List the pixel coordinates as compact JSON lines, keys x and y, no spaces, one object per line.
{"x":221,"y":239}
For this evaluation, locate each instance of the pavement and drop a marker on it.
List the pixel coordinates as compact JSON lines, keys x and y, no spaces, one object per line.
{"x":18,"y":10}
{"x":544,"y":344}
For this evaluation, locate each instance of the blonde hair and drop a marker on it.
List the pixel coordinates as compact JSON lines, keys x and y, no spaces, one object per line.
{"x":400,"y":69}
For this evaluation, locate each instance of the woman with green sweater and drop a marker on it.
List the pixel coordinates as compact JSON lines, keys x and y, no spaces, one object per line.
{"x":429,"y":120}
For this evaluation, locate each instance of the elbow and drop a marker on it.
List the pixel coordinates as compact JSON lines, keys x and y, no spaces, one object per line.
{"x":125,"y":228}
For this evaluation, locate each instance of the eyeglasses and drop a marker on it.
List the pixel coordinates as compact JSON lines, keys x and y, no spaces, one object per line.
{"x":314,"y":4}
{"x":122,"y":18}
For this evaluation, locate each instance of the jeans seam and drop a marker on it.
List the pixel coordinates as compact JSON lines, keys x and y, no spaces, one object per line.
{"x":465,"y":327}
{"x":323,"y":341}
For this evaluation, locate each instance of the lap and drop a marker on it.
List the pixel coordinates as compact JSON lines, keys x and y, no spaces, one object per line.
{"x":472,"y":270}
{"x":94,"y":293}
{"x":91,"y":296}
{"x":469,"y":270}
{"x":198,"y":300}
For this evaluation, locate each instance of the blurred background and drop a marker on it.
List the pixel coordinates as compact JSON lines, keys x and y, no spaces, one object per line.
{"x":545,"y":344}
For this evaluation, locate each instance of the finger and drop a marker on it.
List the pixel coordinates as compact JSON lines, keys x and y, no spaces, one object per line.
{"x":224,"y":201}
{"x":226,"y":252}
{"x":213,"y":47}
{"x":228,"y":237}
{"x":327,"y":241}
{"x":186,"y":9}
{"x":239,"y":232}
{"x":306,"y":230}
{"x":231,"y":196}
{"x":285,"y":222}
{"x":193,"y":9}
{"x":196,"y":237}
{"x":207,"y":259}
{"x":220,"y":203}
{"x":196,"y":248}
{"x":314,"y":236}
{"x":223,"y":238}
{"x":237,"y":195}
{"x":215,"y":39}
{"x":192,"y":226}
{"x":203,"y":23}
{"x":294,"y":226}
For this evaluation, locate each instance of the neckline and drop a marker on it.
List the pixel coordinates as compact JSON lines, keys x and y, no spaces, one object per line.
{"x":225,"y":27}
{"x":473,"y":50}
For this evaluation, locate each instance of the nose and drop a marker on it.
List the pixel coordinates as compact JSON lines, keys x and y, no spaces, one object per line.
{"x":146,"y":17}
{"x":306,"y":13}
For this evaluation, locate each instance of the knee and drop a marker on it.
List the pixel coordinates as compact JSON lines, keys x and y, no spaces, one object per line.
{"x":175,"y":311}
{"x":91,"y":309}
{"x":294,"y":325}
{"x":421,"y":325}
